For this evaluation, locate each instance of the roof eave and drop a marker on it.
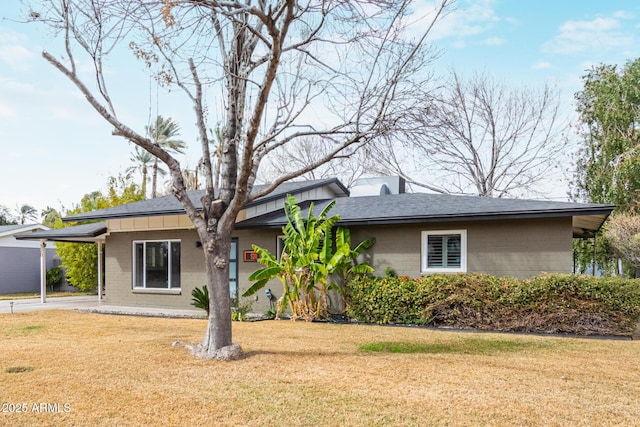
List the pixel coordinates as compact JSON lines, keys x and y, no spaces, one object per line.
{"x":79,"y":217}
{"x":451,"y":218}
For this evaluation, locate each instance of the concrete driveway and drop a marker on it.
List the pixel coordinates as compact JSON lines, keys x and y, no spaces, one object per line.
{"x":91,"y":304}
{"x":61,"y":303}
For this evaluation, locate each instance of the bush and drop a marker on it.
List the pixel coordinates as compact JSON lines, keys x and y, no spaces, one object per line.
{"x":54,"y":277}
{"x":240,"y":309}
{"x":200,"y":298}
{"x":546,"y":303}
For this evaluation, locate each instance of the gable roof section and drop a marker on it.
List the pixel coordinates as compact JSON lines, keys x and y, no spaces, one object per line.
{"x":423,"y":207}
{"x":169,"y":205}
{"x":9,"y":230}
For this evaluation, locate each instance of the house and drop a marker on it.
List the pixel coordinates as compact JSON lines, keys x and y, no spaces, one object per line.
{"x":153,"y":256}
{"x":20,"y":259}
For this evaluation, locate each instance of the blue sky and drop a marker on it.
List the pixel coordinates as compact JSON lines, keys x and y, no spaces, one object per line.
{"x":54,"y":148}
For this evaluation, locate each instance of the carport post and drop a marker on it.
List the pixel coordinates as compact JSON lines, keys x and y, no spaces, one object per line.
{"x":99,"y":243}
{"x":43,"y":271}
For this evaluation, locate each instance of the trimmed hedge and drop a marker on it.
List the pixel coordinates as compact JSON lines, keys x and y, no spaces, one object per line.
{"x":550,"y":303}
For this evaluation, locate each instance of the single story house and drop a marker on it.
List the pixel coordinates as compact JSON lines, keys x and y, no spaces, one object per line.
{"x":153,"y":256}
{"x":20,"y":259}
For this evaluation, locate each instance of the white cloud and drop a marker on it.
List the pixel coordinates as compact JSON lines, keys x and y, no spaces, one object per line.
{"x":459,"y":44}
{"x":623,"y":14}
{"x":598,"y":24}
{"x":470,"y":19}
{"x":64,"y":113}
{"x":541,"y":65}
{"x":11,"y":85}
{"x":13,"y":51}
{"x":11,"y":37}
{"x":494,"y":41}
{"x":6,"y":111}
{"x":599,"y":34}
{"x":16,"y":56}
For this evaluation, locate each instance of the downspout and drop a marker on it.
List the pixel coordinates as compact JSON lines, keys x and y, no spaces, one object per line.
{"x":43,"y":271}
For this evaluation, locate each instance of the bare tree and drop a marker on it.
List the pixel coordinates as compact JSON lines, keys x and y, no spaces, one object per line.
{"x":348,"y":167}
{"x":479,"y":136}
{"x":274,"y":64}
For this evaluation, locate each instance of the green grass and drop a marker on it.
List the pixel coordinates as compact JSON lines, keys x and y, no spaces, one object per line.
{"x":27,"y":295}
{"x":472,"y":346}
{"x":31,"y":328}
{"x":19,"y":369}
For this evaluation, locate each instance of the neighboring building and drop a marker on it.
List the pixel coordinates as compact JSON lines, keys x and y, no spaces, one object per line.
{"x":20,"y":259}
{"x":153,"y":257}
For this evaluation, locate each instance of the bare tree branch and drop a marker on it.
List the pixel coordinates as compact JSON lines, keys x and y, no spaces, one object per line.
{"x":480,"y":136}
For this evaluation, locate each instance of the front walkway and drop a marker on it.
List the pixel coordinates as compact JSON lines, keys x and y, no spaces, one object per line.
{"x":91,"y":304}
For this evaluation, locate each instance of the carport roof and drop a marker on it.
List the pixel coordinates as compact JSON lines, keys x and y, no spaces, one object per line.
{"x":85,"y":233}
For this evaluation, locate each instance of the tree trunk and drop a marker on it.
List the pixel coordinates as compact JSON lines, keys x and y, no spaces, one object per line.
{"x":144,"y":182}
{"x":154,"y":179}
{"x":217,"y":343}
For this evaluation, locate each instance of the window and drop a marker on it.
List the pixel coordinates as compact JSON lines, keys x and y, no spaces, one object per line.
{"x":156,"y":264}
{"x":444,"y":251}
{"x":279,"y":246}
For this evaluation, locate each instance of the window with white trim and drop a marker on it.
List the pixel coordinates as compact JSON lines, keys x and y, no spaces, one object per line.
{"x":156,"y":264}
{"x":444,"y":251}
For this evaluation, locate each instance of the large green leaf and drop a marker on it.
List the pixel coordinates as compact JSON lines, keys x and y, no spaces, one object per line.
{"x":255,"y":287}
{"x":266,"y":273}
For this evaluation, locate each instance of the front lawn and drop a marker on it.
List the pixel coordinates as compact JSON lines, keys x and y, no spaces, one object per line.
{"x":71,"y":368}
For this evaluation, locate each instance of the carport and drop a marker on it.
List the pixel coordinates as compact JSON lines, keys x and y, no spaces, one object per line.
{"x":94,"y":233}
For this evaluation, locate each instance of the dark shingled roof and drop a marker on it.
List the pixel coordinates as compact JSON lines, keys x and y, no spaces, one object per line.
{"x":15,"y":229}
{"x":169,"y":205}
{"x":423,"y":207}
{"x":7,"y":228}
{"x":78,"y":233}
{"x":388,"y":209}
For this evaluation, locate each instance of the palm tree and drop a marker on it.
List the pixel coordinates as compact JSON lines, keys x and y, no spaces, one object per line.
{"x":26,"y":212}
{"x":141,"y":159}
{"x":161,"y":133}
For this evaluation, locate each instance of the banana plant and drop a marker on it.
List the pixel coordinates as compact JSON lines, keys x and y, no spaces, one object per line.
{"x":308,"y":261}
{"x":350,"y":266}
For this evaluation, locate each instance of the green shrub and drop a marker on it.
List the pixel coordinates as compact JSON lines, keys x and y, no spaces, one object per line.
{"x":240,"y":309}
{"x":200,"y":298}
{"x":54,"y":277}
{"x":545,"y":303}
